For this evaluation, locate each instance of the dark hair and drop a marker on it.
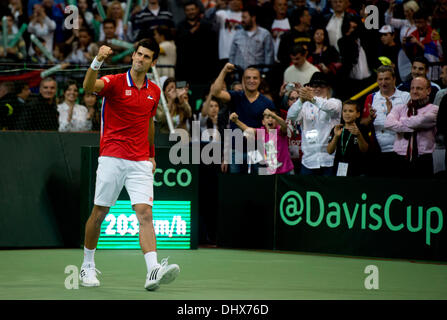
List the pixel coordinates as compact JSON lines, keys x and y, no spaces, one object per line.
{"x":150,"y":44}
{"x":19,"y":85}
{"x":298,"y":48}
{"x":86,"y":30}
{"x":190,"y":3}
{"x":252,"y":10}
{"x":358,"y":108}
{"x":423,"y":60}
{"x":215,"y":100}
{"x":355,"y":103}
{"x":389,"y":69}
{"x":165,"y":32}
{"x":167,"y":82}
{"x":325,"y":41}
{"x":69,"y":83}
{"x":65,"y":88}
{"x":235,"y":83}
{"x":346,"y":25}
{"x":295,"y":17}
{"x":109,"y":20}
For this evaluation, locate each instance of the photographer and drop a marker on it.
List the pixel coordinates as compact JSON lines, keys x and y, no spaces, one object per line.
{"x":316,"y":113}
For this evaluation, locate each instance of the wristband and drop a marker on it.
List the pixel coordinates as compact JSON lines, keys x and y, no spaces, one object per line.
{"x":96,"y":64}
{"x":152,"y":151}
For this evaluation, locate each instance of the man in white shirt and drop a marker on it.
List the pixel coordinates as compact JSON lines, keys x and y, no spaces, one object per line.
{"x":333,"y":26}
{"x":301,"y":71}
{"x":229,"y":21}
{"x":281,"y":23}
{"x":377,"y":106}
{"x":317,"y":113}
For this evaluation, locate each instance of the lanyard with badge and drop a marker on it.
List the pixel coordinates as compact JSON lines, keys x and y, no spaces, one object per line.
{"x":312,"y":135}
{"x":342,"y":170}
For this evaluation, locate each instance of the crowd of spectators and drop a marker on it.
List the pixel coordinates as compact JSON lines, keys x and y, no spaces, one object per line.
{"x":295,"y":66}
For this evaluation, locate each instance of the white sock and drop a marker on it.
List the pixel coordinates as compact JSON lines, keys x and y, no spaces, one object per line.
{"x":89,"y":257}
{"x":151,"y":260}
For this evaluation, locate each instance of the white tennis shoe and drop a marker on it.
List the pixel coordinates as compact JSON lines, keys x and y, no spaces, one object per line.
{"x":88,"y":276}
{"x":163,"y":273}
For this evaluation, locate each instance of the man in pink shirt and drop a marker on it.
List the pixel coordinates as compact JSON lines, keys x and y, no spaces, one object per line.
{"x":415,"y":125}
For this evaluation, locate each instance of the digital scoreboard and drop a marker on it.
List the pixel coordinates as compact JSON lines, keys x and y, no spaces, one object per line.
{"x":171,"y":219}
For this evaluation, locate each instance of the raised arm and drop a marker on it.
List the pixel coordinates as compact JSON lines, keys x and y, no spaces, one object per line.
{"x":248,"y":130}
{"x":217,"y":88}
{"x":91,"y":83}
{"x":278,"y":119}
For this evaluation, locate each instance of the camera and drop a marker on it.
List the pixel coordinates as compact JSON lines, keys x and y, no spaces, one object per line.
{"x":289,"y":87}
{"x":181,"y":84}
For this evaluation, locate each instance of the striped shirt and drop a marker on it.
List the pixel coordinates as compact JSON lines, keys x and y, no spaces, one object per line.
{"x":145,"y":21}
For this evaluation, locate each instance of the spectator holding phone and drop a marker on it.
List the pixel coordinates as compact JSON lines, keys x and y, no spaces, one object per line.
{"x":176,"y":94}
{"x":317,"y":113}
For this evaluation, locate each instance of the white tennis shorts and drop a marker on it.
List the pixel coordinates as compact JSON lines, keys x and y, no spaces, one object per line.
{"x":114,"y":173}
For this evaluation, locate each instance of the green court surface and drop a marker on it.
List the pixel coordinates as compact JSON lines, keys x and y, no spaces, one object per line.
{"x":219,"y":274}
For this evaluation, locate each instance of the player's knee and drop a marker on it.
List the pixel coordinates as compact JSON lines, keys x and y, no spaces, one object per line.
{"x":99,"y":213}
{"x":145,"y":216}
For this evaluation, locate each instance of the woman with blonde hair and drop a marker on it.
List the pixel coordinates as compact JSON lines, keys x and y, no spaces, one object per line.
{"x":406,"y":26}
{"x":115,"y":11}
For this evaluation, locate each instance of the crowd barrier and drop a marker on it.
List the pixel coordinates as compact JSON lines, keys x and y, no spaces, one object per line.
{"x":47,"y":188}
{"x":356,"y":216}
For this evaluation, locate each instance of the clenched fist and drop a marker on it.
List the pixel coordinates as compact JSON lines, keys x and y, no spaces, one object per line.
{"x":103,"y":53}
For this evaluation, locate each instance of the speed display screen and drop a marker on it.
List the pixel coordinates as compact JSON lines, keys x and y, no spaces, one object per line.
{"x":171,"y":219}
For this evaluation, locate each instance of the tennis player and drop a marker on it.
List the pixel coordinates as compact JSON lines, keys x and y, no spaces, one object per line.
{"x":126,"y":157}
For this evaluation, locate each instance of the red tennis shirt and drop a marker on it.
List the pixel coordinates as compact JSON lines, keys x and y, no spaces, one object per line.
{"x":125,"y":115}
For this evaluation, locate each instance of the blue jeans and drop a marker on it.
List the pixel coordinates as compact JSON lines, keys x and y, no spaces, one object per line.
{"x":243,"y":167}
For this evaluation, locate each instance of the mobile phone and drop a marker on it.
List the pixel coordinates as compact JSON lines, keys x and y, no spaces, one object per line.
{"x":180,"y":84}
{"x":290,"y":86}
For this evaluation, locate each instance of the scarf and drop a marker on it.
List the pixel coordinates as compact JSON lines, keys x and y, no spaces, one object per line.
{"x":412,"y":149}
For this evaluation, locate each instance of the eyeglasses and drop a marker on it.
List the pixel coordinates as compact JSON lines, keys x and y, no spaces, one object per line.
{"x":293,"y":98}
